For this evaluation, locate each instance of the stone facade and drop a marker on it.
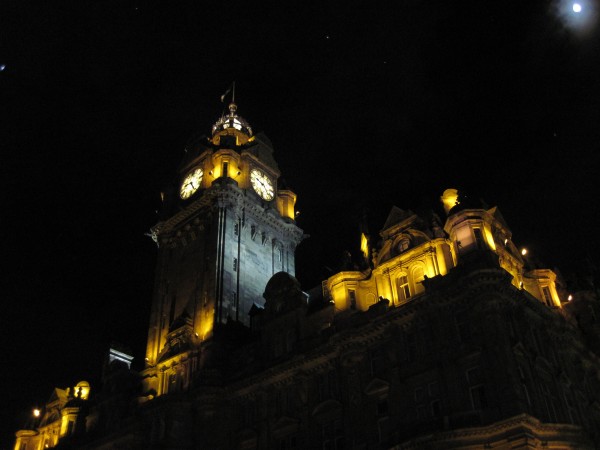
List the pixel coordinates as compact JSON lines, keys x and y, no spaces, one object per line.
{"x":448,"y":338}
{"x":219,"y":243}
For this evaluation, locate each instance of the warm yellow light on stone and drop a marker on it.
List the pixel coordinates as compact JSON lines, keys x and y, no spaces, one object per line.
{"x":207,"y":327}
{"x":286,"y":202}
{"x":82,"y":390}
{"x":489,"y":238}
{"x":364,"y":245}
{"x":449,"y":199}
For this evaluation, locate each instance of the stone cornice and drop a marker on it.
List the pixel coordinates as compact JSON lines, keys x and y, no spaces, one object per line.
{"x":228,"y":195}
{"x":527,"y":423}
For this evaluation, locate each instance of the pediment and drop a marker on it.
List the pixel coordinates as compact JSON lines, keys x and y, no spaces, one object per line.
{"x":520,"y":348}
{"x":285,"y":425}
{"x":496,"y":214}
{"x":327,"y":411}
{"x":248,"y":438}
{"x":395,"y":217}
{"x":352,"y":358}
{"x":377,"y":387}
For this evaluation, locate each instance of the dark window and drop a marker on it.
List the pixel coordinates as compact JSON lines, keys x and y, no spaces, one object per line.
{"x":328,"y":385}
{"x":377,"y":362}
{"x":290,"y":340}
{"x":547,"y":296}
{"x":419,"y":395}
{"x":463,"y":326}
{"x":427,"y":401}
{"x":70,"y":426}
{"x":478,"y":397}
{"x":225,"y":169}
{"x":383,"y":426}
{"x":411,"y":346}
{"x":571,"y":409}
{"x":333,"y":435}
{"x":235,"y":264}
{"x":547,"y":389}
{"x":477,"y":389}
{"x":279,"y":403}
{"x":172,"y":311}
{"x":524,"y":382}
{"x":250,"y":413}
{"x":288,"y":443}
{"x":434,"y":389}
{"x":352,"y":295}
{"x":382,"y":408}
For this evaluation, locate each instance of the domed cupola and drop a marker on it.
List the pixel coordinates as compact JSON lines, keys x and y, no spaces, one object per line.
{"x":232,"y":125}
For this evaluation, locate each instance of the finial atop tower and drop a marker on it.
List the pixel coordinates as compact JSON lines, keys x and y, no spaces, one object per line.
{"x":232,"y":124}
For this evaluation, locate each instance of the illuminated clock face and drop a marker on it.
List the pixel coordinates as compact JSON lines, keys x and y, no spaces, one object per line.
{"x":262,"y":184}
{"x":191,"y":183}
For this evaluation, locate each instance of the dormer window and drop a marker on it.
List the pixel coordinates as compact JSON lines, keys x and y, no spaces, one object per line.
{"x":403,"y":245}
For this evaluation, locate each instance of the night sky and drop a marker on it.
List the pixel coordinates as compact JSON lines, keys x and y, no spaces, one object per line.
{"x":368,"y":104}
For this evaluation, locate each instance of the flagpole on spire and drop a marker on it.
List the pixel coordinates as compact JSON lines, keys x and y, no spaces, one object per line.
{"x":229,"y":89}
{"x":233,"y":94}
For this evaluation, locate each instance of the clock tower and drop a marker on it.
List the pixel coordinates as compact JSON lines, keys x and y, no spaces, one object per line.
{"x":226,"y":229}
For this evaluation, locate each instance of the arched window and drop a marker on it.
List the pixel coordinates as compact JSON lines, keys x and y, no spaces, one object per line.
{"x":403,"y":288}
{"x":418,"y":276}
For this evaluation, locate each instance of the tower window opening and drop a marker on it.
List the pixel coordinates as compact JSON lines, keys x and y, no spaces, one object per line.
{"x":478,"y":238}
{"x":225,"y":169}
{"x":70,"y":427}
{"x":547,"y":295}
{"x":352,"y":295}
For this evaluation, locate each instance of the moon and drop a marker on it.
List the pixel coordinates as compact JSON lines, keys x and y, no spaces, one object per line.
{"x":576,"y":7}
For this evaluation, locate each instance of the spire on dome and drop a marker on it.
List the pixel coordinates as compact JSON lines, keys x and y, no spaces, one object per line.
{"x":232,"y":121}
{"x":231,"y":124}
